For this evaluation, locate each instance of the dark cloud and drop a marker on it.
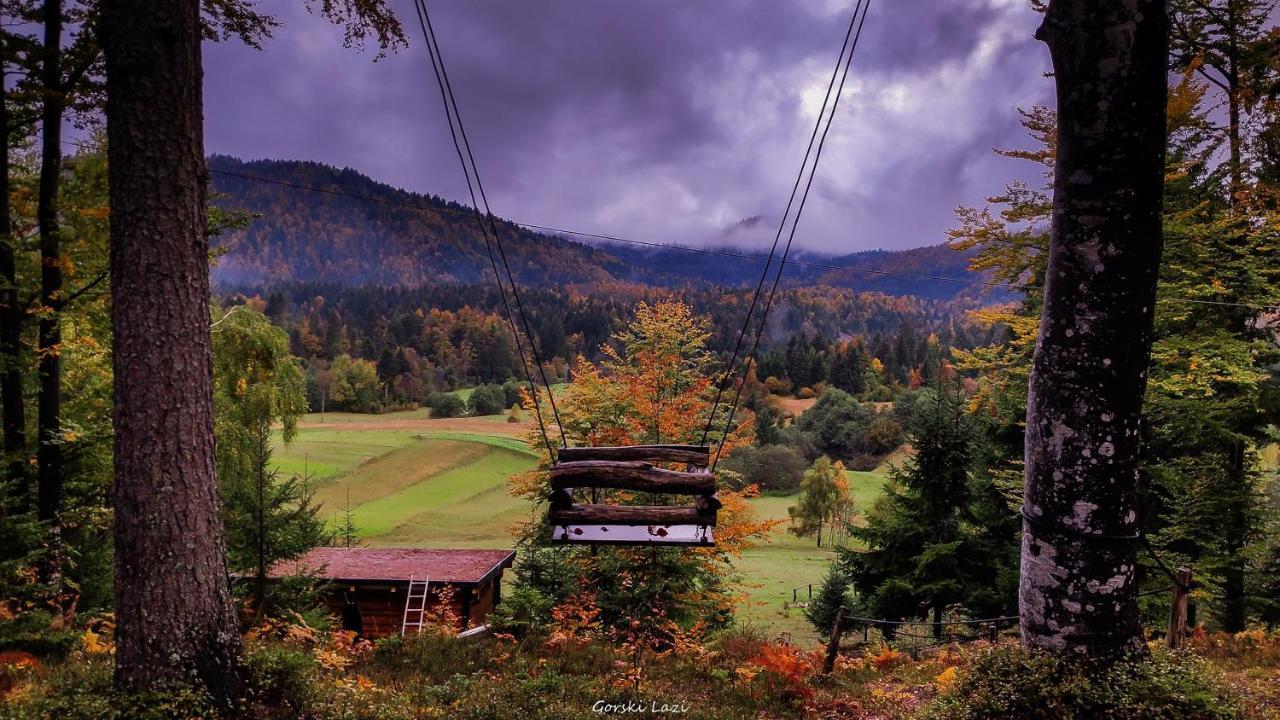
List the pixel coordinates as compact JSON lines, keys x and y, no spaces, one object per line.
{"x":659,"y":120}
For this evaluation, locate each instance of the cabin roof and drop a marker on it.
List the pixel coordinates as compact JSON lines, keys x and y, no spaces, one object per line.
{"x":459,"y":567}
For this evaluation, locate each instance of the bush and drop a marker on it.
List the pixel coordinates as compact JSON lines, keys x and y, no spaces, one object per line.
{"x":837,"y":423}
{"x":445,"y":405}
{"x":523,"y":611}
{"x":83,"y":690}
{"x":777,"y":386}
{"x":775,"y":468}
{"x":806,"y":393}
{"x":33,"y":632}
{"x":1012,"y":683}
{"x":487,"y":400}
{"x":882,"y":436}
{"x":280,"y":676}
{"x":511,"y":393}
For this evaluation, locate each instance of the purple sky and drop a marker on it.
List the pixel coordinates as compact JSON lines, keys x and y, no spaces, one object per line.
{"x":662,"y":120}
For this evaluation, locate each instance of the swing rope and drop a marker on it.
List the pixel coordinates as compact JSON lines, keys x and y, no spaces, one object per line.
{"x":846,"y":59}
{"x":764,"y":274}
{"x":469,"y":168}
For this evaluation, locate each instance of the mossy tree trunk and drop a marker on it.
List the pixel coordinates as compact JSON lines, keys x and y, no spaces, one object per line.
{"x":1078,"y":586}
{"x":175,"y":620}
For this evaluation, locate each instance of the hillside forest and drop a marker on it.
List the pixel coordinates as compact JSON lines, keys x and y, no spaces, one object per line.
{"x":1068,"y":398}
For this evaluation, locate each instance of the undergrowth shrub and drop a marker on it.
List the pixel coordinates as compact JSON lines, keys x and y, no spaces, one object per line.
{"x":34,"y":632}
{"x":1012,"y":683}
{"x":83,"y":690}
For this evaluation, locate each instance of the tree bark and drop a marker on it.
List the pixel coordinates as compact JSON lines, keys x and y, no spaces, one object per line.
{"x":1234,"y":141}
{"x":1079,"y":553}
{"x":175,"y":620}
{"x":1237,"y":535}
{"x":11,"y":395}
{"x":49,"y":474}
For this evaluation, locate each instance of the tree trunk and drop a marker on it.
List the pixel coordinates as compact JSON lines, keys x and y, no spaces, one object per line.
{"x":11,"y":396}
{"x":49,"y":405}
{"x":1234,"y":141}
{"x":1078,"y":587}
{"x":1236,"y":530}
{"x":175,"y":620}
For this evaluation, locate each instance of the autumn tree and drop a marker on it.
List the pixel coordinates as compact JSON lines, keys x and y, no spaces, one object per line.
{"x":654,"y":386}
{"x":1078,"y":590}
{"x":1206,"y":410}
{"x":824,"y":500}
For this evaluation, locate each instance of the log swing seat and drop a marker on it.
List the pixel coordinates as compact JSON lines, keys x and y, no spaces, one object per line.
{"x":635,"y":468}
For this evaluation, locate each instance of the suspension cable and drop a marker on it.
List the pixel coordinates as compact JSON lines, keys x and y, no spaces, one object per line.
{"x":804,"y":197}
{"x":764,"y":273}
{"x":453,"y":114}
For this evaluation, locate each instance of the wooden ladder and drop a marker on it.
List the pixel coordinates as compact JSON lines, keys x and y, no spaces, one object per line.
{"x":415,"y":605}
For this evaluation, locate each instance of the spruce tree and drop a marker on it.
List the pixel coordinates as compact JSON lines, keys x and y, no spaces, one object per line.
{"x":923,"y":547}
{"x":833,"y":595}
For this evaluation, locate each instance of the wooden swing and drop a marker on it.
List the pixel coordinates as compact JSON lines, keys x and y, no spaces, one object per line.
{"x":634,"y":468}
{"x":637,"y":468}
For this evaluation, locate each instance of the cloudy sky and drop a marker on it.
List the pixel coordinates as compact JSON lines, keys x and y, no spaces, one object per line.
{"x":660,"y":120}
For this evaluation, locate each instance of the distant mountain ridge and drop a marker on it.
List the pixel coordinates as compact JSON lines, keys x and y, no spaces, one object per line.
{"x":381,"y":237}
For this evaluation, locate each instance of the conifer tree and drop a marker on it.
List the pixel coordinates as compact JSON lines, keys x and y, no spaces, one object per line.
{"x":833,"y":595}
{"x":924,"y":548}
{"x":257,"y":386}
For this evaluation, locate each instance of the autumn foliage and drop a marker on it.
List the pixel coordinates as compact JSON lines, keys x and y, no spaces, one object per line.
{"x":656,"y":384}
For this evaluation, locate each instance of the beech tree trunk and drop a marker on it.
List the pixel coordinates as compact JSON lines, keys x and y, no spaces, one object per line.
{"x":1079,"y":551}
{"x":175,"y":620}
{"x":49,"y":463}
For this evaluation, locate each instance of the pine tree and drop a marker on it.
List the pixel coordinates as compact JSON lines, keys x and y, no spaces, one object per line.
{"x":849,"y":368}
{"x":259,"y":385}
{"x":348,"y":533}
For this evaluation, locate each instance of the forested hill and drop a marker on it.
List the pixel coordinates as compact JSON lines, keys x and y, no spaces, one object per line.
{"x":380,"y":237}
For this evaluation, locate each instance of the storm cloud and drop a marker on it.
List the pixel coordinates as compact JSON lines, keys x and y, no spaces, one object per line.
{"x":662,"y":120}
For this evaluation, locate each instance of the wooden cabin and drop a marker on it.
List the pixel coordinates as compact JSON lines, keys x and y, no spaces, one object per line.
{"x":369,"y":586}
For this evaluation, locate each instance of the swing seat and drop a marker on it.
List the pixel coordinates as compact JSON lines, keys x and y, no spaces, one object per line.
{"x":634,"y":468}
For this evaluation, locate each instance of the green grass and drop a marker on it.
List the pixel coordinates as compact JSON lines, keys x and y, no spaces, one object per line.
{"x":771,"y":571}
{"x":395,"y":471}
{"x":447,"y":488}
{"x":326,"y":453}
{"x":463,"y":505}
{"x":506,"y":443}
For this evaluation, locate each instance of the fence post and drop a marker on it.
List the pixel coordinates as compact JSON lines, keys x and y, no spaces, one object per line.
{"x":833,"y":645}
{"x":810,"y":591}
{"x":1178,"y":610}
{"x":793,"y":594}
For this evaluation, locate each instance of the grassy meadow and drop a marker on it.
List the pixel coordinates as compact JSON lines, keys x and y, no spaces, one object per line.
{"x":413,"y":481}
